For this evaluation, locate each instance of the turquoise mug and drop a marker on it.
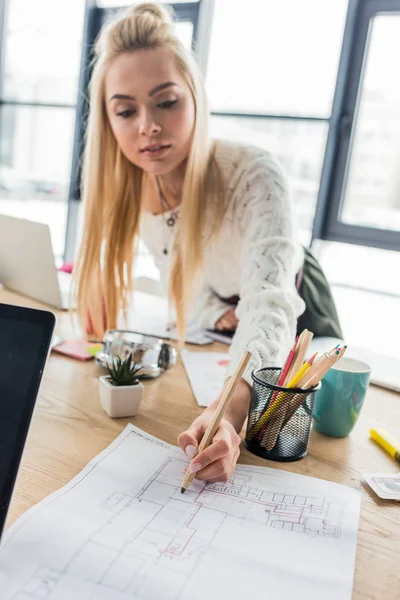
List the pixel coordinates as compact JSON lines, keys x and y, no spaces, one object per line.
{"x":338,"y":403}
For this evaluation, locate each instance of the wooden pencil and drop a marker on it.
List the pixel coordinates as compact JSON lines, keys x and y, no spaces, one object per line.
{"x":272,"y":408}
{"x":218,"y":415}
{"x":288,"y":362}
{"x":312,"y":378}
{"x":300,"y":353}
{"x":274,"y":425}
{"x":325,"y":359}
{"x":312,"y":382}
{"x":292,"y":365}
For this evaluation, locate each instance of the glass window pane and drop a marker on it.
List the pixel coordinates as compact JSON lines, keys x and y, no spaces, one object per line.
{"x":42,"y":50}
{"x":275,"y":57}
{"x":298,"y":146}
{"x":35,"y":162}
{"x":184,"y":30}
{"x":363,"y":283}
{"x":372,"y":196}
{"x":117,"y":3}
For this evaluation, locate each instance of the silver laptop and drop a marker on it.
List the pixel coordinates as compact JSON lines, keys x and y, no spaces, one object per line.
{"x":27,"y":264}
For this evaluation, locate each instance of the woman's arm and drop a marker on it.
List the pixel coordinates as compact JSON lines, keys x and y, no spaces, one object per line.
{"x":268,"y":309}
{"x":269,"y":304}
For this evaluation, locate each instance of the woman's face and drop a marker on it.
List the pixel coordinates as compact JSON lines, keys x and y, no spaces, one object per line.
{"x":150,"y":109}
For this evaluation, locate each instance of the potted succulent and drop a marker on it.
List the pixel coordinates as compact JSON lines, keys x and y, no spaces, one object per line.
{"x":121,"y":391}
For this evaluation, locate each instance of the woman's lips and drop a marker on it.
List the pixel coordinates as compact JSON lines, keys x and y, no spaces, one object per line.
{"x":155,"y":151}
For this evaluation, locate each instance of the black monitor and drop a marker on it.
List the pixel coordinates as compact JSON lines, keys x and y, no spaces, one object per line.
{"x":25,"y":337}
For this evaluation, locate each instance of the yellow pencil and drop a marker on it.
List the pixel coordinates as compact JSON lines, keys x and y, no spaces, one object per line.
{"x":282,"y":395}
{"x":311,"y":381}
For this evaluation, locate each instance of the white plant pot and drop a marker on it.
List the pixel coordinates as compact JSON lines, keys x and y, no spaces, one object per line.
{"x":120,"y":400}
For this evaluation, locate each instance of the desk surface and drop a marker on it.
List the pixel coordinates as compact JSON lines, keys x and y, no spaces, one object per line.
{"x":69,"y":428}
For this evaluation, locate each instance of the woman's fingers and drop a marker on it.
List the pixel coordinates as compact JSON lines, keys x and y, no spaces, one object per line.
{"x":228,"y":320}
{"x":232,"y":324}
{"x":222,"y":324}
{"x":189,"y":440}
{"x":218,"y":449}
{"x":217,"y":459}
{"x":231,"y":318}
{"x":220,"y":470}
{"x":235,"y":320}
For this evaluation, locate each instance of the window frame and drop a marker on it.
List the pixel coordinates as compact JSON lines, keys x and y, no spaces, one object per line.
{"x":335,"y":170}
{"x":2,"y":36}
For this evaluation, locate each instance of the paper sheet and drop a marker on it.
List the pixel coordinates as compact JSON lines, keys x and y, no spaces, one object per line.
{"x":206,"y":374}
{"x":121,"y":529}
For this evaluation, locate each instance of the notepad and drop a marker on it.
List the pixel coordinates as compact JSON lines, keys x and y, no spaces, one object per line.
{"x":79,"y":349}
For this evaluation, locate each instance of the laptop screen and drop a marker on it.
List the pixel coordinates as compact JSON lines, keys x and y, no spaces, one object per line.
{"x":25,"y":336}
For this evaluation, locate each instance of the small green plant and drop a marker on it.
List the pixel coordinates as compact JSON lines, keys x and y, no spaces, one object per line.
{"x":123,"y":372}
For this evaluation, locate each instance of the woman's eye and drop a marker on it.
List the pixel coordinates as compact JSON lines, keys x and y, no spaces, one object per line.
{"x":167,"y":103}
{"x":126,"y":113}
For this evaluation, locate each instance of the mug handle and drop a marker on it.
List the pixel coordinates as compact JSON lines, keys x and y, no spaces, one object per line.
{"x":309,"y":412}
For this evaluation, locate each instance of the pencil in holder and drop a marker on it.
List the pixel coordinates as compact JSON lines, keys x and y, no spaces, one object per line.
{"x":279,"y":421}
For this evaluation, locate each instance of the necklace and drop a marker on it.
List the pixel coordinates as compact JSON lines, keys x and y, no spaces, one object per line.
{"x":166,"y":207}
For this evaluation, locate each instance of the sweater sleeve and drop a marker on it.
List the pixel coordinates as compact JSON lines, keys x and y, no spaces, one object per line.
{"x":269,"y":304}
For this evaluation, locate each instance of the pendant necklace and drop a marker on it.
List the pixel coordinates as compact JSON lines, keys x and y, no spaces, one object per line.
{"x":171,"y":219}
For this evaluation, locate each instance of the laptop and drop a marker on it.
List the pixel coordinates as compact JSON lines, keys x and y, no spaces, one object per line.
{"x":25,"y":336}
{"x":27,"y":264}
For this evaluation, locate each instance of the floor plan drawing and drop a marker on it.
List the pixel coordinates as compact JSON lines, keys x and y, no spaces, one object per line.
{"x":143,"y":539}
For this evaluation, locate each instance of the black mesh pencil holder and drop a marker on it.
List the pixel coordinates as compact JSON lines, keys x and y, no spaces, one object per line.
{"x":279,"y":422}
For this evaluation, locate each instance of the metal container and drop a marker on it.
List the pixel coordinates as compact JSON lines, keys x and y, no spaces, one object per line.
{"x":152,"y":354}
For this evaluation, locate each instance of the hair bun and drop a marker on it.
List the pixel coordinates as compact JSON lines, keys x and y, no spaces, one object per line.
{"x":155,"y":11}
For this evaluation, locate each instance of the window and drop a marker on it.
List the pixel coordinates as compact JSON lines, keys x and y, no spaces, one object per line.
{"x":373,"y":200}
{"x":35,"y":163}
{"x":275,"y":57}
{"x":41,"y":59}
{"x":299,"y":153}
{"x":358,"y":199}
{"x":37,"y":110}
{"x":278,"y":59}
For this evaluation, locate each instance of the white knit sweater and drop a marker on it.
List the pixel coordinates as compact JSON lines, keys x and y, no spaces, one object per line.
{"x":254,"y":255}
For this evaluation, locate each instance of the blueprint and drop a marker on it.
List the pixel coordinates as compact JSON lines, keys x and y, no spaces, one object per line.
{"x":121,"y":529}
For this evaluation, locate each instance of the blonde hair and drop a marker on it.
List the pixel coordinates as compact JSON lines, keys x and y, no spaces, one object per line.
{"x":112,"y":186}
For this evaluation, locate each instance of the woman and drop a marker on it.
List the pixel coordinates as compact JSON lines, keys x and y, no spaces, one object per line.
{"x":215,"y":216}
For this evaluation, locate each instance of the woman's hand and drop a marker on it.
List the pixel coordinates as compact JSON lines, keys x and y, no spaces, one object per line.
{"x":217,"y":462}
{"x":228,"y":321}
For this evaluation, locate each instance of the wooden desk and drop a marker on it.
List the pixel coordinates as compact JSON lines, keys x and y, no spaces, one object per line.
{"x":69,"y":428}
